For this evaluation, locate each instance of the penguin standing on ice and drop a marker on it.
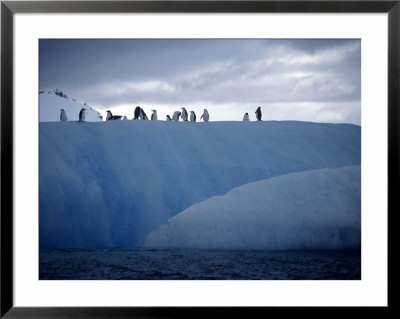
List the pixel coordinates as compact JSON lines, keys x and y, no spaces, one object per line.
{"x":63,"y":115}
{"x":82,"y":115}
{"x":111,"y":117}
{"x":258,"y":113}
{"x":205,"y":116}
{"x":168,"y":118}
{"x":137,"y":113}
{"x":246,"y":117}
{"x":143,"y":115}
{"x":184,"y":115}
{"x":124,"y":118}
{"x":176,"y":115}
{"x":192,"y":116}
{"x":154,"y":115}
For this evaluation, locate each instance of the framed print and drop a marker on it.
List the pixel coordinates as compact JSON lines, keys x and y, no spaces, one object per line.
{"x":182,"y":158}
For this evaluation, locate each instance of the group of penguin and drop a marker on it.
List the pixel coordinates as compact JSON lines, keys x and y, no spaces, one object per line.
{"x":139,"y":114}
{"x":63,"y":115}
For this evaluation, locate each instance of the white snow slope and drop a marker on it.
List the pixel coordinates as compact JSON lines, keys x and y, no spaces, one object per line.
{"x":318,"y":209}
{"x":110,"y":184}
{"x":51,"y":103}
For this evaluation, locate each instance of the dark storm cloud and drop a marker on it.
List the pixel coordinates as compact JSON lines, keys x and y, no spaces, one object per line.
{"x":108,"y":73}
{"x":82,"y":62}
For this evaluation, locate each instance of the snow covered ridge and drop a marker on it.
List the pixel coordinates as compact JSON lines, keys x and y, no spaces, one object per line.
{"x":110,"y":184}
{"x":51,"y":103}
{"x":318,"y":209}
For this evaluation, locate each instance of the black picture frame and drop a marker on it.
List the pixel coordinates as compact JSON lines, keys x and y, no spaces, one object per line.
{"x":9,"y":8}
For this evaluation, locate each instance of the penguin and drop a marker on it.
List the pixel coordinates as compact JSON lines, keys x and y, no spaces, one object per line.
{"x":124,"y":118}
{"x":176,"y":115}
{"x":154,"y":115}
{"x":205,"y":116}
{"x":192,"y":116}
{"x":258,"y":113}
{"x":169,"y":118}
{"x":184,"y":115}
{"x":246,"y":117}
{"x":63,"y":115}
{"x":111,"y":117}
{"x":82,"y":115}
{"x":137,"y":113}
{"x":143,"y":115}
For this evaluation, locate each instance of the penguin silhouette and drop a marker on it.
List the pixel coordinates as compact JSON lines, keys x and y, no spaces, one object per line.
{"x":205,"y":116}
{"x":192,"y":116}
{"x":154,"y":115}
{"x":258,"y":113}
{"x":82,"y":115}
{"x":63,"y":115}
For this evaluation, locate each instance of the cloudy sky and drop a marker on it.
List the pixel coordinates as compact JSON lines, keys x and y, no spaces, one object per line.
{"x":308,"y":80}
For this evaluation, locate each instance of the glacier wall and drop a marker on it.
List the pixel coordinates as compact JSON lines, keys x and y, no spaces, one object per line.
{"x":109,"y":184}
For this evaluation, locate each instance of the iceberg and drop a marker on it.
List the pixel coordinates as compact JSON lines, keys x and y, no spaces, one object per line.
{"x":318,"y":209}
{"x":110,"y":184}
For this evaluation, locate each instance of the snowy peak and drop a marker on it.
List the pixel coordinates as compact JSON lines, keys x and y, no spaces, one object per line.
{"x":51,"y":103}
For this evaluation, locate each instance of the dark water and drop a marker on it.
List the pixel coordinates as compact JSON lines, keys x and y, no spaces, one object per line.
{"x":198,"y":265}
